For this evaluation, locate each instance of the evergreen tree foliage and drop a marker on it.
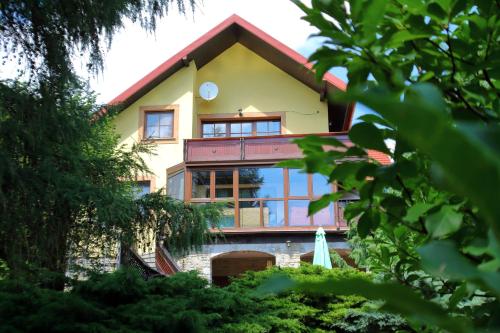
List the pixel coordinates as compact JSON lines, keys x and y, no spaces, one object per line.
{"x":123,"y":302}
{"x":65,"y":185}
{"x":44,"y":36}
{"x":66,"y":188}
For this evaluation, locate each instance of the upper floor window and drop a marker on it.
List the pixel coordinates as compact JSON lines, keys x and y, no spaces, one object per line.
{"x":159,"y":123}
{"x":217,"y":129}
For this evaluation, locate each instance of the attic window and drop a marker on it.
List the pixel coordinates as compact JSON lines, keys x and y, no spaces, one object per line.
{"x":159,"y":123}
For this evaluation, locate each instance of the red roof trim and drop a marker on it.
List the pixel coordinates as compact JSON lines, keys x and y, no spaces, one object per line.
{"x":170,"y":62}
{"x":233,"y":19}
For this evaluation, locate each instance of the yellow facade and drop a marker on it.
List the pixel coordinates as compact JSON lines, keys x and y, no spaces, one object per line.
{"x":245,"y":81}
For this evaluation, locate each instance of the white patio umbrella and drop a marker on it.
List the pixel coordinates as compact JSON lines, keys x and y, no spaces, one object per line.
{"x":321,"y":252}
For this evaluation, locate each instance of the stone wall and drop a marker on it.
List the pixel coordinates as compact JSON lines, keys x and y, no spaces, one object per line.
{"x":287,"y":253}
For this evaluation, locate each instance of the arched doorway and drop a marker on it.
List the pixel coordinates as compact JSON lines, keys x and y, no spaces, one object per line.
{"x":344,"y":253}
{"x":232,"y":264}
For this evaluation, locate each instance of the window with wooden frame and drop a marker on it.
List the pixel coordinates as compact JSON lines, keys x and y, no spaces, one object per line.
{"x":144,"y":185}
{"x":159,"y":123}
{"x":262,"y":197}
{"x":240,"y":128}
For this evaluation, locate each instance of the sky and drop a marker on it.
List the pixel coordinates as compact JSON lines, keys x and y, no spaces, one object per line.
{"x":134,"y":52}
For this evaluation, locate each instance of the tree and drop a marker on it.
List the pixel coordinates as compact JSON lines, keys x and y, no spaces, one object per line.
{"x":45,"y":35}
{"x":65,"y":185}
{"x":427,"y":225}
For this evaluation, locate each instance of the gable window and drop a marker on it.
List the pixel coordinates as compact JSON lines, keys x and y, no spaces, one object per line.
{"x":219,"y":129}
{"x":159,"y":123}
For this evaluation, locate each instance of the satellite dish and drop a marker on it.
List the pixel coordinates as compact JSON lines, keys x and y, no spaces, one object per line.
{"x":208,"y":90}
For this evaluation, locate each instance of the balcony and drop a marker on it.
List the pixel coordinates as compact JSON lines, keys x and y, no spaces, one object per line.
{"x":246,"y":149}
{"x":237,"y":171}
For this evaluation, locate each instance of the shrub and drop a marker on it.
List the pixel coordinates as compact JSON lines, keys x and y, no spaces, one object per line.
{"x":123,"y":302}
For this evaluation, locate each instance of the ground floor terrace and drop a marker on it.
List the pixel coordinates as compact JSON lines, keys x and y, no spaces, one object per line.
{"x":236,"y":254}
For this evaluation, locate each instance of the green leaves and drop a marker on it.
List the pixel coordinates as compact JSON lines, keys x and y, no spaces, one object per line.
{"x":400,"y":299}
{"x":372,"y":14}
{"x":323,"y":202}
{"x":367,"y":223}
{"x":369,"y":136}
{"x":441,"y":258}
{"x":443,"y":222}
{"x":423,"y":121}
{"x":416,"y":211}
{"x":402,"y":36}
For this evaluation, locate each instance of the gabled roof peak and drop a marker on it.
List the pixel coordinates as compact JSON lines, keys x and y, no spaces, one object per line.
{"x":233,"y":30}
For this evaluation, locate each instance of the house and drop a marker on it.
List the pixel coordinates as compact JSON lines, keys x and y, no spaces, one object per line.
{"x":221,"y":112}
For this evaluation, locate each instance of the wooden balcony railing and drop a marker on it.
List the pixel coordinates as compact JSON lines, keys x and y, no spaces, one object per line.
{"x":251,"y":149}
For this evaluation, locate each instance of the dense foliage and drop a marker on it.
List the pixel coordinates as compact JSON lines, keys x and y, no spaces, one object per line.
{"x":44,"y":37}
{"x":123,"y":302}
{"x":429,"y":224}
{"x":66,"y":188}
{"x":65,"y":185}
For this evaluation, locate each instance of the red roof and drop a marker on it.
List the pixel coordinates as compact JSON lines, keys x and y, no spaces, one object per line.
{"x":232,"y":30}
{"x":380,"y":157}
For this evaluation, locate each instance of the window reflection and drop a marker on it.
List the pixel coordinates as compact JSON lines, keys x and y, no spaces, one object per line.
{"x":320,"y":185}
{"x":249,"y":214}
{"x":261,"y":183}
{"x":273,"y":213}
{"x":175,"y":186}
{"x":224,"y":183}
{"x":297,"y":213}
{"x":201,"y":184}
{"x":324,"y":216}
{"x":298,"y":183}
{"x":227,"y":216}
{"x":269,"y":127}
{"x":159,"y":125}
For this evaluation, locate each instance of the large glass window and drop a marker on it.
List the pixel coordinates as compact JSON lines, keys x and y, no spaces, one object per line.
{"x":175,"y":186}
{"x":324,"y":216}
{"x":200,"y":184}
{"x":249,"y":214}
{"x":320,"y":185}
{"x":159,"y":125}
{"x":228,"y":215}
{"x":298,"y":184}
{"x":260,"y":196}
{"x":224,"y":183}
{"x":297,"y":213}
{"x":261,"y":183}
{"x":273,"y":213}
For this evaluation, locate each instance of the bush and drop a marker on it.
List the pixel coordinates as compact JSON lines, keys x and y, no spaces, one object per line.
{"x":123,"y":302}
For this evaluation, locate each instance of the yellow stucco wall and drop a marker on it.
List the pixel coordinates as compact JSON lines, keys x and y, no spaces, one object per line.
{"x":245,"y":81}
{"x":177,"y":89}
{"x":248,"y":81}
